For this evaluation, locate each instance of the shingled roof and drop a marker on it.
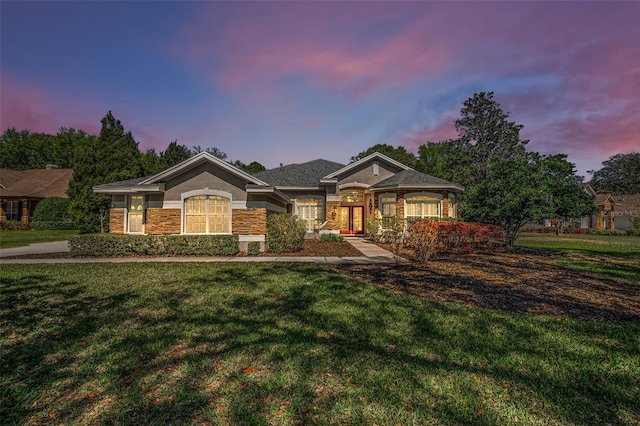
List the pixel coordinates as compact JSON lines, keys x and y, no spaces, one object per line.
{"x":299,"y":175}
{"x":34,"y":183}
{"x":412,"y":179}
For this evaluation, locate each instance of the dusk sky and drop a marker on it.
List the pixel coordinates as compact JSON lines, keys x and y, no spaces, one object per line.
{"x":288,"y":82}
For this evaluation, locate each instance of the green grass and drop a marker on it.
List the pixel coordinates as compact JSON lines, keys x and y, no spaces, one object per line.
{"x":24,"y":238}
{"x":624,"y":247}
{"x":292,"y":344}
{"x":610,"y":256}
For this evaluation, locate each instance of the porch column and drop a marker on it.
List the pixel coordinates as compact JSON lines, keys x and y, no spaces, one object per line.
{"x":25,"y":211}
{"x":3,"y":213}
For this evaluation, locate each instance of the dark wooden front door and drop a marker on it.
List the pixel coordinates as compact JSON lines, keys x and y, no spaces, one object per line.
{"x":352,"y":220}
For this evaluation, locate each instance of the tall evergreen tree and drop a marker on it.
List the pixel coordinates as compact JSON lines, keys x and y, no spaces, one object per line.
{"x":487,"y":134}
{"x":174,"y":154}
{"x":110,"y":157}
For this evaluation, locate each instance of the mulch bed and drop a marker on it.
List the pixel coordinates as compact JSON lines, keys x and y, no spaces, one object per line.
{"x":526,"y":281}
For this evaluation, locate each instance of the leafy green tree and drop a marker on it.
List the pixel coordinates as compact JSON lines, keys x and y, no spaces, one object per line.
{"x":65,"y":143}
{"x":253,"y":167}
{"x":151,"y":162}
{"x":215,"y":151}
{"x":619,"y":174}
{"x":513,"y":194}
{"x":446,"y":160}
{"x":567,"y":200}
{"x":488,"y":136}
{"x":400,"y":154}
{"x":175,"y":154}
{"x":110,"y":157}
{"x":22,"y":150}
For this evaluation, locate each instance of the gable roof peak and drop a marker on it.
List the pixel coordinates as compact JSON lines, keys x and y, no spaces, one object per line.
{"x":370,"y":157}
{"x":199,"y":158}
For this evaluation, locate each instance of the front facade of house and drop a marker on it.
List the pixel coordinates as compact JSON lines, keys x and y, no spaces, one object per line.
{"x":205,"y":195}
{"x":605,"y":214}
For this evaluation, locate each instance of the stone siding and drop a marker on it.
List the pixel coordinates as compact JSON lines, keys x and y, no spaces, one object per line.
{"x":162,"y":221}
{"x":249,"y":221}
{"x":116,"y":221}
{"x":334,"y":220}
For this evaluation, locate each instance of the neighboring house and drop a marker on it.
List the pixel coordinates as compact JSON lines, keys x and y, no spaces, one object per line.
{"x":627,"y":209}
{"x":206,"y":195}
{"x":605,"y":215}
{"x":21,"y":190}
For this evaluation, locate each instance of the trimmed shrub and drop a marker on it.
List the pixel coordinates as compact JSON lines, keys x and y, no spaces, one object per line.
{"x":285,"y":233}
{"x":253,"y":248}
{"x":14,"y":225}
{"x":595,"y":231}
{"x":427,"y":238}
{"x":329,"y":238}
{"x":52,"y":214}
{"x":52,"y":209}
{"x":153,"y":245}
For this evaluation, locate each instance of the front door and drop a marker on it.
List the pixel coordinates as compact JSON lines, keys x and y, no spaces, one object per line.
{"x":352,"y":220}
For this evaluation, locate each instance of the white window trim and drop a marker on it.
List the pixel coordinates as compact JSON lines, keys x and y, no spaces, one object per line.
{"x":387,"y":194}
{"x":304,"y":197}
{"x":423,"y":194}
{"x":376,"y":169}
{"x":205,"y":191}
{"x":126,"y":210}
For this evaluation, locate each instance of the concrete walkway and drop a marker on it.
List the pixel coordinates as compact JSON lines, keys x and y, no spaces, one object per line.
{"x":371,"y":254}
{"x":37,"y":248}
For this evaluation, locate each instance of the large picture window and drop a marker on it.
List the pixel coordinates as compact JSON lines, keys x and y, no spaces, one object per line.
{"x":207,"y":214}
{"x":311,"y":211}
{"x":422,"y":206}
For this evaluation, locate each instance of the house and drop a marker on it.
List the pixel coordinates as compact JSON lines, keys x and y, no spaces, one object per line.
{"x":627,"y":209}
{"x":21,"y":190}
{"x":206,"y":195}
{"x":605,"y":215}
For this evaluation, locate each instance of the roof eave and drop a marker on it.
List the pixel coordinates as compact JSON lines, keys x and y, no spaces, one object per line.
{"x":104,"y":189}
{"x":267,"y":190}
{"x":399,"y":187}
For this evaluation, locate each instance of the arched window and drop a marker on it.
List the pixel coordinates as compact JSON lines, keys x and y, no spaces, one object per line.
{"x":311,"y":211}
{"x":423,"y":205}
{"x":207,"y":214}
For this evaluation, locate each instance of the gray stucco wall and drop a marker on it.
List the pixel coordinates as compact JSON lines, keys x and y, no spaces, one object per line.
{"x":364,"y":173}
{"x":205,"y":176}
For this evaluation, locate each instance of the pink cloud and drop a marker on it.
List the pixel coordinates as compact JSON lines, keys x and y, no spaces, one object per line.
{"x":27,"y":106}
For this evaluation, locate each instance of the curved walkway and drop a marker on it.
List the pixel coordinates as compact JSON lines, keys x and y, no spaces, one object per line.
{"x":371,"y":254}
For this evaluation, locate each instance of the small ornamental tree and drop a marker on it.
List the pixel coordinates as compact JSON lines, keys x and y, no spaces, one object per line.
{"x":513,"y":194}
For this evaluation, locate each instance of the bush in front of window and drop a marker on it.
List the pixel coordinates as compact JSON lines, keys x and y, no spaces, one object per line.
{"x":106,"y":245}
{"x":285,"y":233}
{"x":14,"y":225}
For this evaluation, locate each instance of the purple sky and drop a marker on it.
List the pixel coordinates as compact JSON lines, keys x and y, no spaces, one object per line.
{"x":285,"y":82}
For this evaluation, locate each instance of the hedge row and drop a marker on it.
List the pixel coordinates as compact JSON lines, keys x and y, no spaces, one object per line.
{"x":154,"y":245}
{"x":14,"y":225}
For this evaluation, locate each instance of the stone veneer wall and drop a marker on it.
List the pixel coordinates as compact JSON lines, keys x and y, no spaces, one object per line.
{"x":116,"y":221}
{"x":249,"y":221}
{"x":162,"y":221}
{"x":334,"y":223}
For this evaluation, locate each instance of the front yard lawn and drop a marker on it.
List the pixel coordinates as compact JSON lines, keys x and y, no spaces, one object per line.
{"x":298,"y":344}
{"x":24,"y":238}
{"x":619,"y":246}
